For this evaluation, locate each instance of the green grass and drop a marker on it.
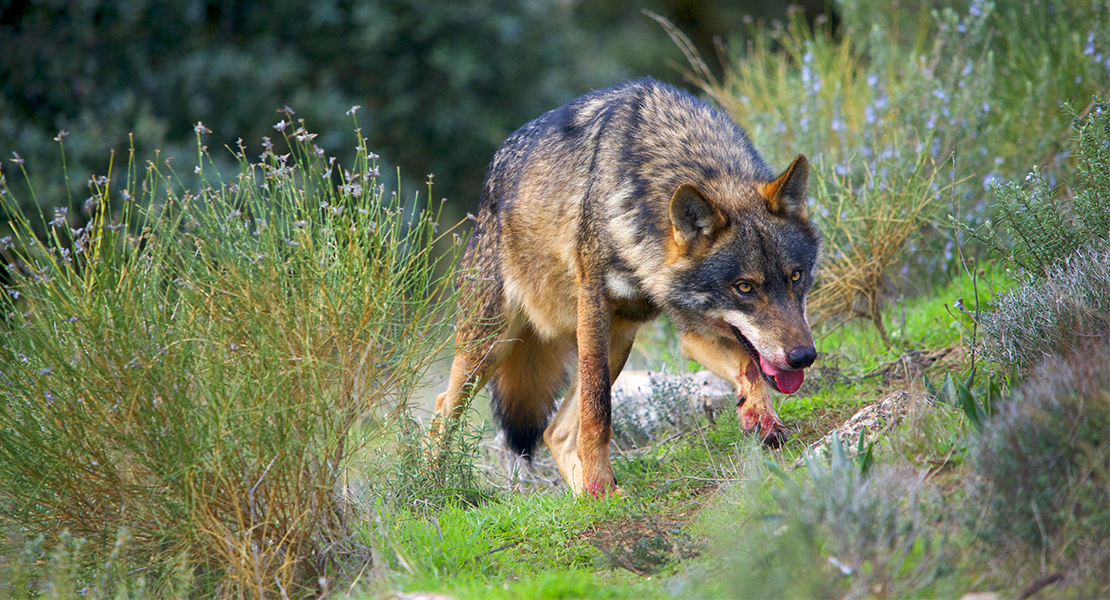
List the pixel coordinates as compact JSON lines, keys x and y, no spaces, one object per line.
{"x":933,"y":320}
{"x":552,"y":545}
{"x":520,"y":546}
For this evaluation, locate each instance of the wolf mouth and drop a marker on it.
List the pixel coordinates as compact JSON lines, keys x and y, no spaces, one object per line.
{"x":783,"y":381}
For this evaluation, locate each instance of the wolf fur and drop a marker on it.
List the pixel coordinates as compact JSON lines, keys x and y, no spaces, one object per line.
{"x":594,"y":219}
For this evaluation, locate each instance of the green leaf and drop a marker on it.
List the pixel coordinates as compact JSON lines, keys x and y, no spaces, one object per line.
{"x":772,"y":467}
{"x":865,"y":458}
{"x":970,"y":406}
{"x":948,"y":393}
{"x":932,"y":389}
{"x":994,"y":392}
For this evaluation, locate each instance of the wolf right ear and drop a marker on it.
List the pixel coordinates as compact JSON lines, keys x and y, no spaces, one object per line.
{"x":786,"y":195}
{"x":694,"y":216}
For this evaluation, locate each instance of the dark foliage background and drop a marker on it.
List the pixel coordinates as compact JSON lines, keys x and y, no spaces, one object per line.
{"x":440,"y":82}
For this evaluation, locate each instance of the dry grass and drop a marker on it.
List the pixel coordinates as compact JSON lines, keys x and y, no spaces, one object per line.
{"x":866,"y":234}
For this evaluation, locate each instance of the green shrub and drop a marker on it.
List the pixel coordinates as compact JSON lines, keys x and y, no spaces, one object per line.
{"x":184,"y":373}
{"x":1046,"y":53}
{"x":410,"y":472}
{"x":1039,"y":225}
{"x":1055,"y":242}
{"x":1043,"y":53}
{"x":1043,"y":466}
{"x":868,"y":225}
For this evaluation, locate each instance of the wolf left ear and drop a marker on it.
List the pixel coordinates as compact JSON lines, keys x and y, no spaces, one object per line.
{"x":786,"y":195}
{"x":694,"y":216}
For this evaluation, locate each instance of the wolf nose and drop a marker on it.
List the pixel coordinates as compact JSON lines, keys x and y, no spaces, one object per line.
{"x":801,"y":357}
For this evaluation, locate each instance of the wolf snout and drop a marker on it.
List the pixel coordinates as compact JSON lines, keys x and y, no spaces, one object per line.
{"x":800,"y":357}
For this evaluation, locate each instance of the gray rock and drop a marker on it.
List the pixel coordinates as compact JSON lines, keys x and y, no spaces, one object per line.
{"x":869,"y":422}
{"x":648,"y":406}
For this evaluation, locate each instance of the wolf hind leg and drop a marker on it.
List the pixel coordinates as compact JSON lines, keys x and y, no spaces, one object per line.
{"x":480,"y":347}
{"x":561,"y":436}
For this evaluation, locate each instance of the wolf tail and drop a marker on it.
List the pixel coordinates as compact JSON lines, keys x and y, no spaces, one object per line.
{"x":524,"y":389}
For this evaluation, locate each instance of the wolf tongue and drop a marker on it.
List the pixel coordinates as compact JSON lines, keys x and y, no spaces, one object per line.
{"x":788,"y":382}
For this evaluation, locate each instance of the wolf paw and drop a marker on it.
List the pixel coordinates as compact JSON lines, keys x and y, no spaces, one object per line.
{"x":775,"y":436}
{"x":766,"y":424}
{"x":601,"y":489}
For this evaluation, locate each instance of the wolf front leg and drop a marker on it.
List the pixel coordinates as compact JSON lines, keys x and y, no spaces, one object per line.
{"x":729,"y":360}
{"x":562,"y":435}
{"x":594,"y":388}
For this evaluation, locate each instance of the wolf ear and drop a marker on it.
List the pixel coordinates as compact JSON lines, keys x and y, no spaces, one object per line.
{"x":694,"y":216}
{"x":786,"y":195}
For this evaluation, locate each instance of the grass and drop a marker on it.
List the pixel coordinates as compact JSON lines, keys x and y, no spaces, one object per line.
{"x":934,"y":320}
{"x":510,"y":549}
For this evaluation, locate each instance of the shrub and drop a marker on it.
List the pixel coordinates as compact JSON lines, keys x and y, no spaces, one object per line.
{"x":1042,"y":54}
{"x":1055,"y":241}
{"x":1043,"y":225}
{"x":1046,"y":54}
{"x":411,"y":472}
{"x":1044,"y":470}
{"x":183,"y":373}
{"x":843,"y":533}
{"x":1052,"y":316}
{"x":867,"y":228}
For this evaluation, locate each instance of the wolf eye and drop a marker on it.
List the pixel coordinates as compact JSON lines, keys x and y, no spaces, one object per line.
{"x":795,"y":276}
{"x":744,"y":287}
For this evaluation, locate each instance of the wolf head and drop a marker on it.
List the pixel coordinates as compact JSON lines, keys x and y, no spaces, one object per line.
{"x":743,"y":267}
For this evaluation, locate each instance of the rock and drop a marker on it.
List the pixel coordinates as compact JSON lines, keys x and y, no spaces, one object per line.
{"x":868,"y":422}
{"x":649,"y":405}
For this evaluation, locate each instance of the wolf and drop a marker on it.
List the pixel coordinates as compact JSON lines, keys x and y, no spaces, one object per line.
{"x":594,"y":219}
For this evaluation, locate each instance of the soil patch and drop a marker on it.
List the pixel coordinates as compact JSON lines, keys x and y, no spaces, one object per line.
{"x":645,"y":544}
